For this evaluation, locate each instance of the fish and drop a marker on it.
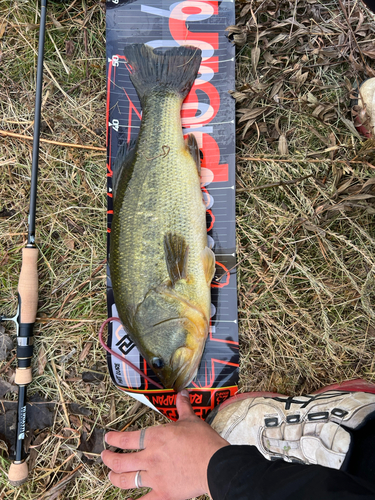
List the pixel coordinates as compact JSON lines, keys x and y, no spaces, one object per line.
{"x":161,"y":266}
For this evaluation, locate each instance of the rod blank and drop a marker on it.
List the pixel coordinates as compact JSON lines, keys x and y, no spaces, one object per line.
{"x":28,"y":282}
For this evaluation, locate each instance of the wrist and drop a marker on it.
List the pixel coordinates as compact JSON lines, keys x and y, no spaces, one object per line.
{"x":212,"y":458}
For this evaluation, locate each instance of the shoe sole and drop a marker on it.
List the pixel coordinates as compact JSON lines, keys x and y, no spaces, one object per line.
{"x":357,"y":123}
{"x":354,"y":385}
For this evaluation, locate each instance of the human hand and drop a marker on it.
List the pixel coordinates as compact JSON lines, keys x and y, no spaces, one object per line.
{"x":174,"y":458}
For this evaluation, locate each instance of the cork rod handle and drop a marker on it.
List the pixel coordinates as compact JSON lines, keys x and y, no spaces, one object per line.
{"x":18,"y":473}
{"x":28,"y":285}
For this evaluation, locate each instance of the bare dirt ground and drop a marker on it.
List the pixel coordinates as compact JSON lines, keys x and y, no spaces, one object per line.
{"x":305,"y":220}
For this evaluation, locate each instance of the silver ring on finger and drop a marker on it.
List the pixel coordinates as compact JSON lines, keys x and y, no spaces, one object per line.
{"x":142,"y":439}
{"x":138,"y":482}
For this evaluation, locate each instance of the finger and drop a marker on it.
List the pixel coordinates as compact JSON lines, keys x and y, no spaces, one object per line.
{"x":152,"y":496}
{"x":184,"y":408}
{"x":130,"y":440}
{"x":123,"y":462}
{"x":127,"y":480}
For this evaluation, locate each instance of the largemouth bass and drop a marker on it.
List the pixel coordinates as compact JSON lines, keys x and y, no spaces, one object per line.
{"x":161,"y":267}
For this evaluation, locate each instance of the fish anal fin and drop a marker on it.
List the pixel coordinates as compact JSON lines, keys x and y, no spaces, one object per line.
{"x":208,"y":258}
{"x":176,"y":255}
{"x":192,"y":146}
{"x":123,"y":162}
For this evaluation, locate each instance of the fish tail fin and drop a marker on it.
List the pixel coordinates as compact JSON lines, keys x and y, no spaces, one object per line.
{"x":173,"y":70}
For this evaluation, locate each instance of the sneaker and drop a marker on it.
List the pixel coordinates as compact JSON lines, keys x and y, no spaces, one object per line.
{"x":363,"y":108}
{"x":305,"y":429}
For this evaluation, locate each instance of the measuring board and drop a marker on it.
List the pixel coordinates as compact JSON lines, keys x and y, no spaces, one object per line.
{"x":208,"y":112}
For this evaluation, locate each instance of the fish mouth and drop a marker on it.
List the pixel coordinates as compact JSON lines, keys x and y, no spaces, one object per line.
{"x":179,"y":366}
{"x":185,"y":363}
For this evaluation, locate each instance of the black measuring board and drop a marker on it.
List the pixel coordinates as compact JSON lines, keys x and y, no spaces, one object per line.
{"x":209,"y":113}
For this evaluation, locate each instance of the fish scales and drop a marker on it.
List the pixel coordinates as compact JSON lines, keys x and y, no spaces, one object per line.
{"x":160,"y":265}
{"x":162,"y":196}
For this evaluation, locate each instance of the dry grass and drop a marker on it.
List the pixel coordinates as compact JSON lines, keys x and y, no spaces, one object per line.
{"x":305,"y":245}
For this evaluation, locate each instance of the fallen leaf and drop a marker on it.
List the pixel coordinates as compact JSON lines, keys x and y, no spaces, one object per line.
{"x":344,"y":186}
{"x":56,"y":23}
{"x":69,"y":243}
{"x":5,"y":213}
{"x":318,"y":110}
{"x":93,"y":376}
{"x":39,"y":415}
{"x":250,"y":114}
{"x":3,"y":446}
{"x":276,"y":88}
{"x":54,"y":455}
{"x":368,"y":183}
{"x":278,"y":38}
{"x":359,"y":197}
{"x":3,"y":27}
{"x":69,"y":48}
{"x":255,"y":54}
{"x":313,"y":228}
{"x":270,"y":59}
{"x":94,"y":444}
{"x":245,"y":9}
{"x":283,"y":145}
{"x":79,"y":410}
{"x":42,"y":360}
{"x":6,"y":387}
{"x":350,"y":125}
{"x":8,"y":420}
{"x":74,"y":420}
{"x":85,"y":351}
{"x":40,"y":412}
{"x":34,"y":448}
{"x":6,"y":344}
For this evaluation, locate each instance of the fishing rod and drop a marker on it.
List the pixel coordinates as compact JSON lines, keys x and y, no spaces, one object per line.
{"x":28,"y":284}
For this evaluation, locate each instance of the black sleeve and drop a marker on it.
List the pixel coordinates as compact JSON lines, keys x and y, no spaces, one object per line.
{"x":242,"y":473}
{"x":370,"y":4}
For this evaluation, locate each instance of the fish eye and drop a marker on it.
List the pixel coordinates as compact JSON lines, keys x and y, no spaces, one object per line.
{"x":157,"y":363}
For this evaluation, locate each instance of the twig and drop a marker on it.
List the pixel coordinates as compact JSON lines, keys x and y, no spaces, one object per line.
{"x":61,"y":484}
{"x":8,"y":364}
{"x":5,"y":133}
{"x":274,"y":184}
{"x":60,"y":393}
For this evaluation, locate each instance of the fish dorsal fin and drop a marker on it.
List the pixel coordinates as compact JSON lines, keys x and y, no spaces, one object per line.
{"x":124,"y":160}
{"x":192,"y":146}
{"x":176,"y":255}
{"x":208,"y":258}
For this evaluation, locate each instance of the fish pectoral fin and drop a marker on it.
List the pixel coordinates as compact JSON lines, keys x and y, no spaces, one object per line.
{"x":192,"y":146}
{"x":208,"y":258}
{"x":124,"y":161}
{"x":176,"y":254}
